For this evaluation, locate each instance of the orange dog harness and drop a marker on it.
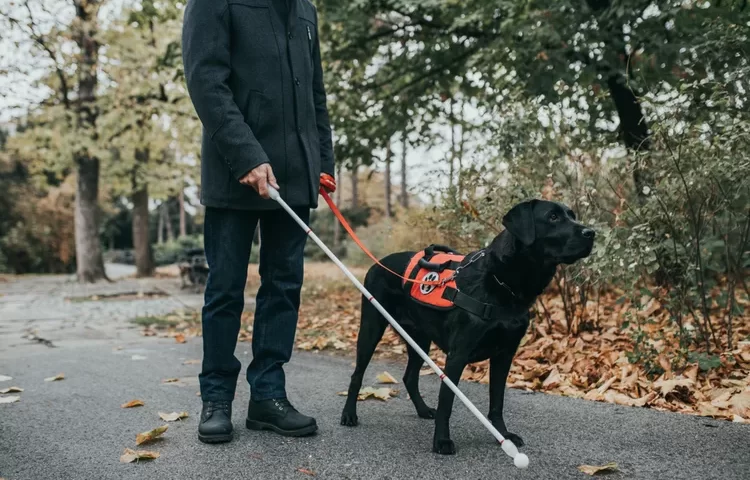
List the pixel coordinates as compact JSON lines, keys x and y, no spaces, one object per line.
{"x":431,"y":266}
{"x":435,"y":270}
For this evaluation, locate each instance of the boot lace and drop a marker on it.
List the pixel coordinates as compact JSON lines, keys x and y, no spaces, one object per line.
{"x":283,"y":405}
{"x":218,"y":406}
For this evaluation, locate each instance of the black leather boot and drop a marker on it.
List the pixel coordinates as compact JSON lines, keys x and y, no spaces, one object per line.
{"x":216,"y":422}
{"x":280,"y":416}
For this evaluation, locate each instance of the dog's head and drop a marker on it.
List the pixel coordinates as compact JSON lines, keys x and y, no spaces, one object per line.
{"x":550,"y":230}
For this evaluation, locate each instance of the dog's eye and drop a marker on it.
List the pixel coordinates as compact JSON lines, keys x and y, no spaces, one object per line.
{"x":553,"y":217}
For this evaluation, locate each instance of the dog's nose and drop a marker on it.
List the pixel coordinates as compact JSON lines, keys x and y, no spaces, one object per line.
{"x":588,"y":233}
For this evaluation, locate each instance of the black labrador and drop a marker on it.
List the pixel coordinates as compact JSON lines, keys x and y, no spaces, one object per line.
{"x":510,"y":273}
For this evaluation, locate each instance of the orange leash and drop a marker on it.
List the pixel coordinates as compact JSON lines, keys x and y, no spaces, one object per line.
{"x":359,"y":243}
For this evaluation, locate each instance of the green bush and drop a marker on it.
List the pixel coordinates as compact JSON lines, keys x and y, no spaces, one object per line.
{"x":171,"y":252}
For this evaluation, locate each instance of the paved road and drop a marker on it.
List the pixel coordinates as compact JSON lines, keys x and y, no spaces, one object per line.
{"x":75,"y":428}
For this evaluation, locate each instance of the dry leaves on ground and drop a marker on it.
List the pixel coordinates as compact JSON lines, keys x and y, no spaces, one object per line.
{"x":191,"y":362}
{"x":10,"y":399}
{"x":180,"y":338}
{"x":173,"y":417}
{"x":151,"y":435}
{"x":56,"y":378}
{"x":306,"y":471}
{"x":170,"y":380}
{"x":11,"y":390}
{"x":594,"y":363}
{"x":611,"y":467}
{"x":133,"y":403}
{"x":383,"y":393}
{"x":130,"y":455}
{"x":386,"y":377}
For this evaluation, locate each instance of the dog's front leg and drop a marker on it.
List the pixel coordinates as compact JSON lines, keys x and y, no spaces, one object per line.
{"x":441,"y":442}
{"x":499,"y":369}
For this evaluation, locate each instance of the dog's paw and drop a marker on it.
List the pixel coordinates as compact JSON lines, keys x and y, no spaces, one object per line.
{"x":516,"y":439}
{"x":349,"y":419}
{"x":428,"y":413}
{"x":444,"y":446}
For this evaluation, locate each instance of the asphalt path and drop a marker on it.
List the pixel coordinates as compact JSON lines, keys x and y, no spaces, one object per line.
{"x":75,"y":428}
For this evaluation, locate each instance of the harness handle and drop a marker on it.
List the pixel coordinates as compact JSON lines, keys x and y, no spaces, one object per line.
{"x":359,"y":243}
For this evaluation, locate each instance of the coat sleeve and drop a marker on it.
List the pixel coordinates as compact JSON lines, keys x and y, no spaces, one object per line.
{"x":205,"y":54}
{"x":321,"y":110}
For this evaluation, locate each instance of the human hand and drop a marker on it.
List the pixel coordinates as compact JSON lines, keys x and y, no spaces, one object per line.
{"x":260,"y":178}
{"x":327,"y":182}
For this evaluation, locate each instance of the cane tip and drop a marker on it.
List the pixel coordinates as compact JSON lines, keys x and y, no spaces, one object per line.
{"x":521,"y":460}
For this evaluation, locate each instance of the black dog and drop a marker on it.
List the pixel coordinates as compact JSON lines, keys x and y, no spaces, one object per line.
{"x":509,"y":274}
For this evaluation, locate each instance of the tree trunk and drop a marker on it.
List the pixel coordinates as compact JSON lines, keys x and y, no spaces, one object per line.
{"x":89,"y":260}
{"x":452,"y":159}
{"x":144,"y":259}
{"x":404,"y":196}
{"x":168,"y":221}
{"x":355,"y":186}
{"x":387,"y":180}
{"x":633,"y":126}
{"x":183,"y":223}
{"x":160,"y":226}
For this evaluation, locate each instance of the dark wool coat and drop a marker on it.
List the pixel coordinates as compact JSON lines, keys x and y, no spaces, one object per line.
{"x":254,"y":75}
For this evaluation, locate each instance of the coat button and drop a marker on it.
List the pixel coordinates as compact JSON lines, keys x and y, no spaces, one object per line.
{"x":296,"y":81}
{"x":289,"y":35}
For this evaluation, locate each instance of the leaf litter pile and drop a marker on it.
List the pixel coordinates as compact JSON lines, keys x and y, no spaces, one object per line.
{"x":603,"y":363}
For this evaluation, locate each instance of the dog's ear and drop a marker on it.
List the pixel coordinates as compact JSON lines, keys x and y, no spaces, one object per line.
{"x":519,"y":221}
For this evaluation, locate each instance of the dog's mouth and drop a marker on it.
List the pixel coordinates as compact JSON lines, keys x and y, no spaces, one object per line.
{"x":580,"y":252}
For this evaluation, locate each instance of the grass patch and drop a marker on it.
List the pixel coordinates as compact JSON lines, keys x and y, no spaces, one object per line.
{"x":121,"y":297}
{"x":151,"y":321}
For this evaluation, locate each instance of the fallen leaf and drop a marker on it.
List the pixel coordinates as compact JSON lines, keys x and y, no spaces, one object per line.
{"x":11,"y":399}
{"x":138,"y":357}
{"x":170,"y":380}
{"x":553,"y":380}
{"x":5,"y":378}
{"x":306,"y":471}
{"x":180,"y":338}
{"x":677,"y":387}
{"x":130,"y":455}
{"x":191,"y":362}
{"x":172,"y":417}
{"x":133,"y":403}
{"x":594,"y":469}
{"x":11,"y":390}
{"x":150,"y":435}
{"x":56,"y":378}
{"x":740,"y":404}
{"x":386,"y":377}
{"x":383,"y":393}
{"x":427,"y":371}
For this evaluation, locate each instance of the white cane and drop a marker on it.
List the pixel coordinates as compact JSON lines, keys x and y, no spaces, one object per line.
{"x":520,"y":460}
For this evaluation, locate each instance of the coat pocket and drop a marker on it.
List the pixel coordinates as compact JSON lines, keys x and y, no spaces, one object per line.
{"x":256,"y":102}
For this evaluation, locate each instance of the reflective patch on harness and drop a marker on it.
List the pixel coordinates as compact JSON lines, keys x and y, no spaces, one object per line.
{"x":430,"y":277}
{"x":431,"y":295}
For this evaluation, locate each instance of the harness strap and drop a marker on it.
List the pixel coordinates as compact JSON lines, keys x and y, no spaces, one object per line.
{"x":438,"y":267}
{"x":483,"y":310}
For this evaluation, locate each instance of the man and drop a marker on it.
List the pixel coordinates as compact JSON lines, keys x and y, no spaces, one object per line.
{"x":254,"y":75}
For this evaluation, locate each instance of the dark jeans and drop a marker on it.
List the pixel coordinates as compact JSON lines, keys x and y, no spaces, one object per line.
{"x":228,"y":236}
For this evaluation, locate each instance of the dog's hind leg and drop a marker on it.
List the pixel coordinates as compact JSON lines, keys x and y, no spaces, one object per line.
{"x":371,"y":331}
{"x":411,"y":376}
